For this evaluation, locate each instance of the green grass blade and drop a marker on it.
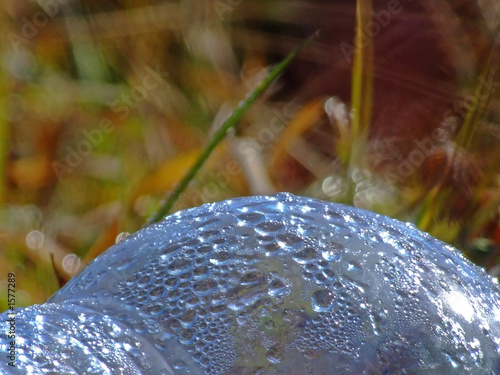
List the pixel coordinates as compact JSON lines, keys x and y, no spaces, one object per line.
{"x":436,"y":200}
{"x":231,"y":122}
{"x":483,"y":91}
{"x":362,"y":83}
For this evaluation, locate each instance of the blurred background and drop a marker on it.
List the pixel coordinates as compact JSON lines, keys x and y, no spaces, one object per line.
{"x":105,"y":104}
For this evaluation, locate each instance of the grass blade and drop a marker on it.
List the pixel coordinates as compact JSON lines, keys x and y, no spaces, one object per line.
{"x":362,"y":87}
{"x":231,"y":122}
{"x":483,"y":92}
{"x":436,"y":200}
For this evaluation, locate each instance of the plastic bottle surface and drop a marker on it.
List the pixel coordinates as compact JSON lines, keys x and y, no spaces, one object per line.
{"x":267,"y":285}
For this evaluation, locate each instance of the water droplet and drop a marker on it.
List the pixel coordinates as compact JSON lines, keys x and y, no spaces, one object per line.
{"x":322,"y":300}
{"x":251,"y":217}
{"x":277,"y":288}
{"x":333,"y":252}
{"x":179,"y":365}
{"x":221,"y":257}
{"x":204,"y":287}
{"x":179,"y":266}
{"x":170,"y":250}
{"x":270,"y":226}
{"x":252,"y":278}
{"x":307,"y":255}
{"x":274,"y":354}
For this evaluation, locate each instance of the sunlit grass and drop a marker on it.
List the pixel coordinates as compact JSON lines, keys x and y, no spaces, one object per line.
{"x":221,"y":133}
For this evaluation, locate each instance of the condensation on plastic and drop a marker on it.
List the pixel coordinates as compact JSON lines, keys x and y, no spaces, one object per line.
{"x":268,"y":285}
